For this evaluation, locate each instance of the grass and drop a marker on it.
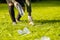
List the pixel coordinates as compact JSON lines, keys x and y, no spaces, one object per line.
{"x":46,"y":16}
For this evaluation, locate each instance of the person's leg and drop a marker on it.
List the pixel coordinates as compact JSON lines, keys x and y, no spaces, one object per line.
{"x":28,"y":4}
{"x":11,"y":10}
{"x":18,"y":17}
{"x":21,"y":2}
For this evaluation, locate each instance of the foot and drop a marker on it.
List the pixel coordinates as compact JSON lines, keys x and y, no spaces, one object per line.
{"x":31,"y":23}
{"x":17,"y":20}
{"x":14,"y":23}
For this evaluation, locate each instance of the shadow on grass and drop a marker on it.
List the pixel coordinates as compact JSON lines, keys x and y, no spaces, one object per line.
{"x":46,"y":21}
{"x":42,"y":21}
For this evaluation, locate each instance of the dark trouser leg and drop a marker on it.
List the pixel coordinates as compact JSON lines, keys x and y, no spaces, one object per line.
{"x":21,"y":2}
{"x":11,"y":11}
{"x":28,"y":4}
{"x":29,"y":10}
{"x":18,"y":17}
{"x":12,"y":14}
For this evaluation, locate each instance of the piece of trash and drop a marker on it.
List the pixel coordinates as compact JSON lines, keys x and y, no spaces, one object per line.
{"x":24,"y":31}
{"x":20,"y":31}
{"x":45,"y":38}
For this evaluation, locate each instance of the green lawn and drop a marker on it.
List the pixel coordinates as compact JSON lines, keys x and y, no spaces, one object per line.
{"x":46,"y":16}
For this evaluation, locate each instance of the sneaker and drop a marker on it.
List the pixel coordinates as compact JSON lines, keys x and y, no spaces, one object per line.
{"x":14,"y":23}
{"x":31,"y":23}
{"x":17,"y":20}
{"x":29,"y":18}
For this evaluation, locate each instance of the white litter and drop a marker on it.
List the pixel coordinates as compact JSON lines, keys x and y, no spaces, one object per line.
{"x":20,"y":31}
{"x":24,"y":31}
{"x":45,"y":38}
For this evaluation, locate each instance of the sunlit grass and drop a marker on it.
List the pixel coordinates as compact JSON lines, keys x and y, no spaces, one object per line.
{"x":45,"y":16}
